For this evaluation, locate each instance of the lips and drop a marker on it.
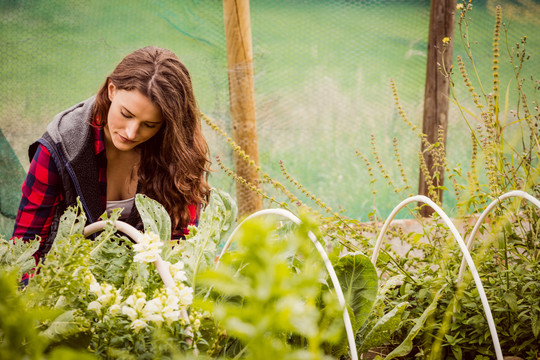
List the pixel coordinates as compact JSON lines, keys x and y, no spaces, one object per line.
{"x":125,"y":140}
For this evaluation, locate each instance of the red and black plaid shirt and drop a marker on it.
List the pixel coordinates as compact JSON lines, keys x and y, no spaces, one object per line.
{"x":42,"y":191}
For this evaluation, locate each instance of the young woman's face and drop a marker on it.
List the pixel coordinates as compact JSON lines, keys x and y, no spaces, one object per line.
{"x":132,"y":119}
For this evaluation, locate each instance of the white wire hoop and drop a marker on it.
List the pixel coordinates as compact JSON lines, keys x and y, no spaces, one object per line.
{"x":335,"y":282}
{"x":480,"y":221}
{"x":464,"y":250}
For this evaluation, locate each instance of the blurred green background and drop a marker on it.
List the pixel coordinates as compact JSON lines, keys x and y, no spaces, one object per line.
{"x":322,"y":78}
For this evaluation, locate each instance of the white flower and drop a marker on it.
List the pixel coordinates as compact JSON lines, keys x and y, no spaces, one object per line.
{"x":134,"y":304}
{"x":138,"y":324}
{"x":171,"y":315}
{"x":139,"y":304}
{"x":114,"y":309}
{"x":95,"y":306}
{"x":150,"y":239}
{"x":89,"y":279}
{"x":197,"y":324}
{"x":96,"y":288}
{"x":146,"y":256}
{"x":152,"y":311}
{"x":106,"y":293}
{"x":105,"y":298}
{"x":178,"y":266}
{"x":130,"y":301}
{"x":157,"y":318}
{"x":177,"y":272}
{"x":148,"y":248}
{"x":118,"y":297}
{"x":130,"y":312}
{"x":153,"y":306}
{"x":171,"y":298}
{"x":185,"y":295}
{"x":180,"y":276}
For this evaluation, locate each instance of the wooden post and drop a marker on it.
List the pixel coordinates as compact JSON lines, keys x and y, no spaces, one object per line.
{"x":242,"y":100}
{"x":441,"y":26}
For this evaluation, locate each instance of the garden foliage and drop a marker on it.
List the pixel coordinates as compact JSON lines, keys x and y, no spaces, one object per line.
{"x":424,"y":312}
{"x":103,"y":295}
{"x":270,"y":297}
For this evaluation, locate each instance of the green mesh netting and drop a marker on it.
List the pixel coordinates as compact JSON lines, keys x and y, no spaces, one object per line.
{"x":11,"y":178}
{"x":322,"y":74}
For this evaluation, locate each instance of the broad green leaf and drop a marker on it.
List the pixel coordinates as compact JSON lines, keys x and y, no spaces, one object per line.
{"x":383,"y":329}
{"x":221,"y":207}
{"x":406,"y":346}
{"x":66,"y":353}
{"x":154,"y":217}
{"x":4,"y":247}
{"x":201,"y":245}
{"x":18,"y":253}
{"x":358,"y":279}
{"x":63,"y":326}
{"x":535,"y":320}
{"x":511,"y":300}
{"x":390,"y":283}
{"x":59,"y":274}
{"x":456,"y":350}
{"x":225,"y":282}
{"x":71,"y":222}
{"x":112,"y":259}
{"x":29,"y":248}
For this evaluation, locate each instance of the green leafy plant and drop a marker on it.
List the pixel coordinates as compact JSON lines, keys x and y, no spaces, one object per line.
{"x":104,"y":295}
{"x":19,"y":333}
{"x":272,"y":294}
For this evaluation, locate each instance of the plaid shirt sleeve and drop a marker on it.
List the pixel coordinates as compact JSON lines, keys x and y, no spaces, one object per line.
{"x":194,"y":212}
{"x":41,"y":194}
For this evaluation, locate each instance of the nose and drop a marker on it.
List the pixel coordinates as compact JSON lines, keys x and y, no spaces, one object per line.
{"x":132,"y":128}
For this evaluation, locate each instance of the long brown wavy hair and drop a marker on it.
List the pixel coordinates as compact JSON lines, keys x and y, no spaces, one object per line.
{"x":174,"y":162}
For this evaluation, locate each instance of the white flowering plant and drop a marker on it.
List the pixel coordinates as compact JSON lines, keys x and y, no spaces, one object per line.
{"x":105,"y":294}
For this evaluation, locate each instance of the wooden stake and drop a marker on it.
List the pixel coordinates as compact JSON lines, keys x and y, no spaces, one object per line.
{"x":242,"y":100}
{"x":441,"y":26}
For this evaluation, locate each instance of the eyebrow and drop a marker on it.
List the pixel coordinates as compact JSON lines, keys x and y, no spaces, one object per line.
{"x":130,"y":113}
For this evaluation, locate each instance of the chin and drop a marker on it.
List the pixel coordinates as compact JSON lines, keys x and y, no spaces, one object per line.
{"x":124,"y":147}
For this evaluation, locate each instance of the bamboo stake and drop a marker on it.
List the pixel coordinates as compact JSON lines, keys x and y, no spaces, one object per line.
{"x":242,"y":100}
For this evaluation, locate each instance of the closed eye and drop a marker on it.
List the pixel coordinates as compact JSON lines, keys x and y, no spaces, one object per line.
{"x":127,"y":116}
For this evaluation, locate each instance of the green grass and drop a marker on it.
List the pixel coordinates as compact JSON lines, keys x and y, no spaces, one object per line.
{"x":322,"y":72}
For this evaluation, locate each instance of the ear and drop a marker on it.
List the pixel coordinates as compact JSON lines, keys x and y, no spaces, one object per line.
{"x":111,"y":90}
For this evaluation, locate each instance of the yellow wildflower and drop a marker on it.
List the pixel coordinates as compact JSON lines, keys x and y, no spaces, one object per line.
{"x":445,"y":40}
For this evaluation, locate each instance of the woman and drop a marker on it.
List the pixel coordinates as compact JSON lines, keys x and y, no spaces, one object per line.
{"x":140,"y":134}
